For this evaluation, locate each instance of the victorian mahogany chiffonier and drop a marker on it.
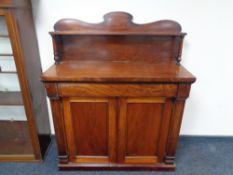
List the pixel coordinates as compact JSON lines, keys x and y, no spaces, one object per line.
{"x":117,"y":92}
{"x":24,"y":119}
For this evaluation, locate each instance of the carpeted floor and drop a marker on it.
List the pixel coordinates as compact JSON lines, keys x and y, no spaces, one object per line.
{"x":195,"y":156}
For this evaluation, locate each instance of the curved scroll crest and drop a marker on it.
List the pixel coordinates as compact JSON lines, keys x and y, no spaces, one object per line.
{"x":118,"y":22}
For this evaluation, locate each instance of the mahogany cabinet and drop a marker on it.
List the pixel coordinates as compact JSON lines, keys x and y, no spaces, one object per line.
{"x":117,"y":93}
{"x":24,"y":122}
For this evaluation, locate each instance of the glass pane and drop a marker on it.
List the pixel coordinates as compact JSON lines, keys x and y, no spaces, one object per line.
{"x":14,"y":132}
{"x":5,"y":45}
{"x":12,"y":113}
{"x":3,"y":28}
{"x":9,"y":82}
{"x":15,"y":138}
{"x":7,"y":63}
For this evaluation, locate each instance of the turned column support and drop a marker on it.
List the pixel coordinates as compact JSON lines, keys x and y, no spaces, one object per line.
{"x":175,"y":122}
{"x":57,"y":48}
{"x":178,"y":57}
{"x":58,"y":120}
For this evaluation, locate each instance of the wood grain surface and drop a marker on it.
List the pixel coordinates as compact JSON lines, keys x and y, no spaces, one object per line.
{"x":108,"y":71}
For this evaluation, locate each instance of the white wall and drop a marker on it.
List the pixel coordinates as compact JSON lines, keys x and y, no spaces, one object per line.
{"x":207,"y":52}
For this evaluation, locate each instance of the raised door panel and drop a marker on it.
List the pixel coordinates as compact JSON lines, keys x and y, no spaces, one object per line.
{"x":91,"y":129}
{"x":143,"y":125}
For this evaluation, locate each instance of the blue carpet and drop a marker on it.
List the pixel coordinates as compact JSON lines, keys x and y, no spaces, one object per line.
{"x":195,"y":156}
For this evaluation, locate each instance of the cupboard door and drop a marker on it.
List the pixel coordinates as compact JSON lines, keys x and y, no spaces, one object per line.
{"x":90,"y":125}
{"x":142,"y":132}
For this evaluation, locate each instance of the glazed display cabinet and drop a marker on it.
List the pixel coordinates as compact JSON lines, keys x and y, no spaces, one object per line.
{"x":24,"y":124}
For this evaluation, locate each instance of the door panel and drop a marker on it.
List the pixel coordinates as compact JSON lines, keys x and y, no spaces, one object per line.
{"x":141,"y":121}
{"x":142,"y":125}
{"x":91,"y":129}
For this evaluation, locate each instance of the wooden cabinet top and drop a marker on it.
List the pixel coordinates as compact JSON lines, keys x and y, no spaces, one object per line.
{"x":110,"y":71}
{"x":117,"y":50}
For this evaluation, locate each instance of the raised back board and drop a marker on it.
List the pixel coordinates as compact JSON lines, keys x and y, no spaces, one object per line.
{"x":117,"y":38}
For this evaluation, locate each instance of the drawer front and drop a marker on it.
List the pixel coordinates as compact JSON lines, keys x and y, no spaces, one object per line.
{"x":116,"y":90}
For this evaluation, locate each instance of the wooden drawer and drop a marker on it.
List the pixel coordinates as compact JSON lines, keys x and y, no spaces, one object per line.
{"x":116,"y":90}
